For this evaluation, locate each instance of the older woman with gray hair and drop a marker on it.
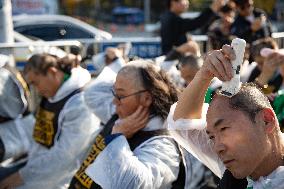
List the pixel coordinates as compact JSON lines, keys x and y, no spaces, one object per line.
{"x":133,"y":149}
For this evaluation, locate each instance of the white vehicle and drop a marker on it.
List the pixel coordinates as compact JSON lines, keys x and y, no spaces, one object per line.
{"x":57,"y":27}
{"x":25,"y":47}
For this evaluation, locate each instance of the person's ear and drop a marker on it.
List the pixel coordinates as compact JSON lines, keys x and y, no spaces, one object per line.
{"x":269,"y":119}
{"x":146,"y":99}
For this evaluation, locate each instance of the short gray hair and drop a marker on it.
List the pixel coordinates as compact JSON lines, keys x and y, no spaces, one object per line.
{"x":156,"y":82}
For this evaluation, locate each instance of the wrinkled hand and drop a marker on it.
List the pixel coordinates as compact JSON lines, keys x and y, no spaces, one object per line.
{"x":133,"y":123}
{"x":12,"y":181}
{"x":217,"y":64}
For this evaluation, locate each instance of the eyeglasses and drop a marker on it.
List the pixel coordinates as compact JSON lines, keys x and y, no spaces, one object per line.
{"x":119,"y":98}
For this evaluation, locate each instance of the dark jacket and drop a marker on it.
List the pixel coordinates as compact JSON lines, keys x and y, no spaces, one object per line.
{"x":242,"y":28}
{"x":174,"y":28}
{"x":228,"y":181}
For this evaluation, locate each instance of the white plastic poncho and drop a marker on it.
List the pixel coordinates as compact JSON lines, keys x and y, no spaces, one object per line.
{"x":98,"y":93}
{"x":274,"y":180}
{"x":54,"y":167}
{"x":170,"y":68}
{"x":191,"y":135}
{"x":153,"y":164}
{"x":17,"y":133}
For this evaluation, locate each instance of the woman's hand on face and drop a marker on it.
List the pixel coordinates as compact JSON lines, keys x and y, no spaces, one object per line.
{"x":133,"y":123}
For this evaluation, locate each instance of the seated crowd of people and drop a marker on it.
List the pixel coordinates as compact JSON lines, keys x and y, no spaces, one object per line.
{"x":150,"y":124}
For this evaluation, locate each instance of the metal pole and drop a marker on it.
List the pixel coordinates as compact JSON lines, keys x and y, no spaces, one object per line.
{"x":6,"y":23}
{"x":147,"y":11}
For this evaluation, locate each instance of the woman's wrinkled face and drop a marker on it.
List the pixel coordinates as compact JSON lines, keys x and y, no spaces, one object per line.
{"x":129,"y":94}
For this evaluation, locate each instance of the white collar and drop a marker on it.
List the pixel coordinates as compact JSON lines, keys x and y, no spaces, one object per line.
{"x":79,"y":78}
{"x":272,"y":181}
{"x":117,"y":65}
{"x":155,"y":123}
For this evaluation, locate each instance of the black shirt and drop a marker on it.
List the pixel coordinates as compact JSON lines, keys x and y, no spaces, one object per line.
{"x":228,"y":181}
{"x":174,"y":28}
{"x":242,"y":28}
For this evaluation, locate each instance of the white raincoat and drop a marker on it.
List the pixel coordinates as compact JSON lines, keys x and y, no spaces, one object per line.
{"x":170,"y":68}
{"x":98,"y":94}
{"x":191,"y":134}
{"x":17,"y":133}
{"x":54,"y":167}
{"x":153,"y":164}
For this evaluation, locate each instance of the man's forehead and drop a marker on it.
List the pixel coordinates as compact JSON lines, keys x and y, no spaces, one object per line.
{"x":218,"y":107}
{"x":219,"y":100}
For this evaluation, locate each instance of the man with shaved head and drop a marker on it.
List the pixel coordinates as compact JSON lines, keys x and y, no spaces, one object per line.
{"x":241,"y":133}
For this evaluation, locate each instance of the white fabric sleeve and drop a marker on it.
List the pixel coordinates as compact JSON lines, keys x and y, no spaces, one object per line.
{"x":77,"y":125}
{"x":154,"y":164}
{"x":99,"y":97}
{"x":11,"y":101}
{"x":167,"y":65}
{"x":17,"y":136}
{"x":191,"y":134}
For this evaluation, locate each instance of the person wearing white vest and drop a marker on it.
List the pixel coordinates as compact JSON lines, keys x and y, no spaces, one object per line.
{"x":64,"y":125}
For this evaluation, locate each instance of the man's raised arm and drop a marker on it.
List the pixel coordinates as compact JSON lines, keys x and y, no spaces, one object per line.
{"x":216,"y":64}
